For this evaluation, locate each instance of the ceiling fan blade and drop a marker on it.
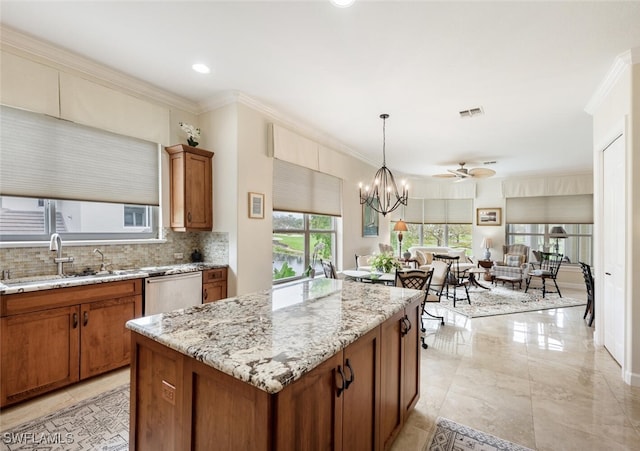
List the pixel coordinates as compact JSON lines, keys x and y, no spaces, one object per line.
{"x":459,"y":173}
{"x":444,"y":176}
{"x":482,"y":172}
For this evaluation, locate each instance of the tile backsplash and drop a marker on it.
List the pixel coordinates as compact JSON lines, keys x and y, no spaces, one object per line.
{"x":36,"y":261}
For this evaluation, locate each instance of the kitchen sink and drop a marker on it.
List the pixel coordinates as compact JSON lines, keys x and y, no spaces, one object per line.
{"x":37,"y":280}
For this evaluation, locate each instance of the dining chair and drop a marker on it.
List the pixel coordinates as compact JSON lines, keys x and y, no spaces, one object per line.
{"x":456,"y":278}
{"x":418,"y":279}
{"x":329,"y":269}
{"x":546,"y":268}
{"x":588,"y":281}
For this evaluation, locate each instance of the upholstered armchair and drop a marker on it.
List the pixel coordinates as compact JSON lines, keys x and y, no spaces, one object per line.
{"x":514,"y":266}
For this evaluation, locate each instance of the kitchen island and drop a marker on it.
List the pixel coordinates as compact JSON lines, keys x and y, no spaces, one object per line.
{"x":320,"y":364}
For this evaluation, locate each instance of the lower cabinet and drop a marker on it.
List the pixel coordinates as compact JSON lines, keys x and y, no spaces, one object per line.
{"x":357,"y":399}
{"x":39,"y":352}
{"x":54,"y":338}
{"x":214,"y":284}
{"x":334,"y":406}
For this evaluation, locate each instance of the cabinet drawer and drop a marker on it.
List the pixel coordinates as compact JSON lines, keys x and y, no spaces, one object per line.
{"x":14,"y":304}
{"x":214,"y":275}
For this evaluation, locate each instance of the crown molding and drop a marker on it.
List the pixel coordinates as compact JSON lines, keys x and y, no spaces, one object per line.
{"x":285,"y":120}
{"x":621,"y":63}
{"x":12,"y":39}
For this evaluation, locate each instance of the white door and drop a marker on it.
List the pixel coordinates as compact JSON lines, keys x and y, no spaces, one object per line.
{"x":614,"y":249}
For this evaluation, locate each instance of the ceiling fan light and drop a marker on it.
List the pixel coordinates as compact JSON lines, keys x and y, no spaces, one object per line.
{"x":342,"y":3}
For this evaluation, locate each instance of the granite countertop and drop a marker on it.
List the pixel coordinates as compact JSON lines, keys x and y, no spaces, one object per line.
{"x":271,"y":338}
{"x":49,"y":282}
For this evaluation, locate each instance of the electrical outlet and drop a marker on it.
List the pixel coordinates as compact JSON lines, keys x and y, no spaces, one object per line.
{"x":178,"y":256}
{"x":169,"y":392}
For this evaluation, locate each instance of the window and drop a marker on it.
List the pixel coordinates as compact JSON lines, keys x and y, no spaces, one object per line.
{"x":436,"y":222}
{"x":28,"y":219}
{"x":436,"y":235}
{"x":577,"y":247}
{"x":295,"y":237}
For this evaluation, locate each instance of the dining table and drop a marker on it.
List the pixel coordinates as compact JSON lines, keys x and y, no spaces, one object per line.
{"x":387,"y":278}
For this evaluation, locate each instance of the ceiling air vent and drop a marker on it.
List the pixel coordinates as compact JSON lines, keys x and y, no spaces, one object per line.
{"x":471,"y":112}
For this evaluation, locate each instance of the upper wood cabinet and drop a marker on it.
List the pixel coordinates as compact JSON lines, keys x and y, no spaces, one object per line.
{"x":190,"y":188}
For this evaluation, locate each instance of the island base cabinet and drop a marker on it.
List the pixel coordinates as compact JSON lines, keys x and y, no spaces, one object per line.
{"x":178,"y":402}
{"x":400,"y":373}
{"x":310,"y":412}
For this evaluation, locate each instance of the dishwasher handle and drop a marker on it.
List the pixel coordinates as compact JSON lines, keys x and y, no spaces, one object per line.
{"x":186,"y":275}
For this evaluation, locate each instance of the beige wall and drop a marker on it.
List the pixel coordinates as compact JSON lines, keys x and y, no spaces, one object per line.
{"x":619,"y":112}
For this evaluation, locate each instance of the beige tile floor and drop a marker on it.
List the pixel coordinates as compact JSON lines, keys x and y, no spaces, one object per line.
{"x":532,"y":378}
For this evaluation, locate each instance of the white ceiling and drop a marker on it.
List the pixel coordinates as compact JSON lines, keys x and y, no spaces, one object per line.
{"x":531,"y":66}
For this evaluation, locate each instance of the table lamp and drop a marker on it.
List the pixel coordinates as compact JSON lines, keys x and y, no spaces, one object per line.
{"x":558,"y":232}
{"x":487,"y":243}
{"x":400,"y":227}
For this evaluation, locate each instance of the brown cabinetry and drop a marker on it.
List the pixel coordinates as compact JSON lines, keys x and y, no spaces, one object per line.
{"x":52,"y":338}
{"x":214,"y":284}
{"x":190,"y":188}
{"x":343,"y":392}
{"x":336,"y":405}
{"x":400,"y":376}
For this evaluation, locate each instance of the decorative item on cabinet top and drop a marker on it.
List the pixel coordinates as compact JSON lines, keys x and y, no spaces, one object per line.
{"x":193,"y":133}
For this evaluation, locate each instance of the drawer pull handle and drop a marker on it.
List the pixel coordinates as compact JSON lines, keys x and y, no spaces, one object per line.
{"x":189,"y":216}
{"x":342,"y":387}
{"x":85,"y":319}
{"x":206,"y":295}
{"x":75,"y":320}
{"x":352,"y":373}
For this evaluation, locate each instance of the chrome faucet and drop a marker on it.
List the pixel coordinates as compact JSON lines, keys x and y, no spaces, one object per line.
{"x":103,"y":267}
{"x":56,"y":245}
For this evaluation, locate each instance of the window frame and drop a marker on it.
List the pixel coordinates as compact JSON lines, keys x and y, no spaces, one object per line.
{"x":306,"y":232}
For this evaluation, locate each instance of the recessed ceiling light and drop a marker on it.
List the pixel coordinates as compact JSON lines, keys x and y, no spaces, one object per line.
{"x":201,"y":68}
{"x":343,"y":3}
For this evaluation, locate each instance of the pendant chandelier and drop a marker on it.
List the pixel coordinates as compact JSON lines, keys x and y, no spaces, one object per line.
{"x":383,"y":195}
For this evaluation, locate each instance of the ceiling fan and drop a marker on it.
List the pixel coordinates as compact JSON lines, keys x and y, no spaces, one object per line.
{"x":463,"y":173}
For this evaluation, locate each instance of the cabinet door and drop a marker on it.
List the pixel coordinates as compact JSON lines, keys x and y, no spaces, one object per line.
{"x":411,"y":359}
{"x":214,"y":291}
{"x":198,"y":192}
{"x":39,"y":352}
{"x":309,"y":411}
{"x":391,"y":404}
{"x":361,"y":405}
{"x":105,"y":341}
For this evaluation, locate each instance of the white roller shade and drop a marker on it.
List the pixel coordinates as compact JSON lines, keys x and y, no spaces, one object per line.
{"x":459,"y":211}
{"x":302,"y":190}
{"x":550,"y":210}
{"x":435,"y":211}
{"x":44,"y":157}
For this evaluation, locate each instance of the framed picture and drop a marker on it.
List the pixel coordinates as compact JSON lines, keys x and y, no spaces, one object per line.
{"x":489,"y":216}
{"x":369,"y":221}
{"x":256,"y":205}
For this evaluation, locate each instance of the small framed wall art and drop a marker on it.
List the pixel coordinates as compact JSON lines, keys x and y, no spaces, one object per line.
{"x":489,"y":216}
{"x":370,"y":221}
{"x":256,"y":205}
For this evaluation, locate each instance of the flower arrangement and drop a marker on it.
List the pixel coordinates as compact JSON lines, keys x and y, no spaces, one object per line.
{"x":311,"y":270}
{"x":192,"y":132}
{"x":385,"y":262}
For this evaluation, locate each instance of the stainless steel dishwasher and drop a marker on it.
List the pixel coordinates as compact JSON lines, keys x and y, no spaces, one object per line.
{"x":164,"y":293}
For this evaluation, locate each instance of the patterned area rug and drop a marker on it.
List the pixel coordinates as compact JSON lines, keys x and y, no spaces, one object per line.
{"x":502,"y":301}
{"x":452,"y":436}
{"x":99,"y":423}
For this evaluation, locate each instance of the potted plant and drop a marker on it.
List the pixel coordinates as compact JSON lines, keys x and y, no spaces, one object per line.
{"x":385,"y":262}
{"x":192,"y":132}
